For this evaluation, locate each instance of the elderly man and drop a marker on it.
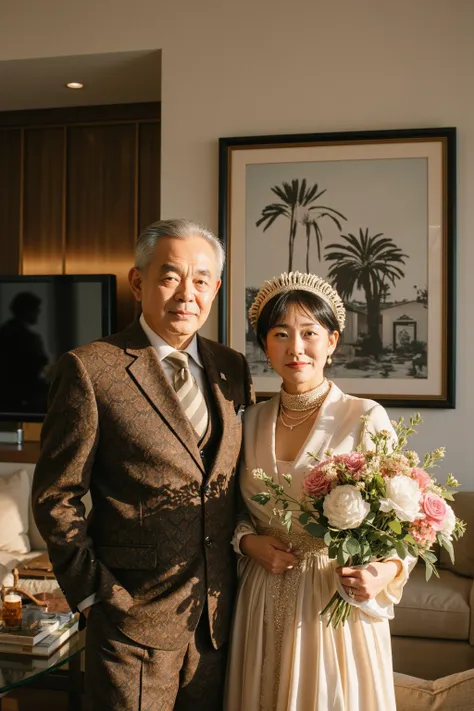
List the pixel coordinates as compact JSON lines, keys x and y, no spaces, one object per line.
{"x":149,"y":421}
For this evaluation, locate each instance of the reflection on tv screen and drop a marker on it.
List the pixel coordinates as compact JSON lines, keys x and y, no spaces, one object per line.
{"x":40,"y":319}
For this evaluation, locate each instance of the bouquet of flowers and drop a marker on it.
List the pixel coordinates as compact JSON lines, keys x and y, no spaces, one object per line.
{"x":371,"y":505}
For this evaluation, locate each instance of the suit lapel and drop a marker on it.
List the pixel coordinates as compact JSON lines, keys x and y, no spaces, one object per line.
{"x":149,"y":376}
{"x":325,"y":428}
{"x":219,"y":384}
{"x":265,"y":442}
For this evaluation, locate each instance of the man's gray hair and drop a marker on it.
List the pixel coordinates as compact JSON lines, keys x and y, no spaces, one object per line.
{"x":177,"y":229}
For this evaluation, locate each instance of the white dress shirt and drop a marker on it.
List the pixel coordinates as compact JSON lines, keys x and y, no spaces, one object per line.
{"x":163,"y":350}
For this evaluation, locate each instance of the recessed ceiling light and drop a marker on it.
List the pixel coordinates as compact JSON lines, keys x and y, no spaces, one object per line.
{"x":74,"y":85}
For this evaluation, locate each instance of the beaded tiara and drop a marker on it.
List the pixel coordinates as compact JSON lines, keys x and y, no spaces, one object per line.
{"x":296,"y":281}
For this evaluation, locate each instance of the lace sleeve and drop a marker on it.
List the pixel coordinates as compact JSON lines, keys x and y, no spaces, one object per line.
{"x":382,"y":605}
{"x":244,"y":524}
{"x":242,"y":529}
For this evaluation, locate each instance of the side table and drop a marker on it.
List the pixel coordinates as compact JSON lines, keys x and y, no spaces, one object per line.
{"x":18,"y":670}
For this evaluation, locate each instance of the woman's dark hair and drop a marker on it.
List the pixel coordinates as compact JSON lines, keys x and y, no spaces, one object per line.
{"x":274,"y":311}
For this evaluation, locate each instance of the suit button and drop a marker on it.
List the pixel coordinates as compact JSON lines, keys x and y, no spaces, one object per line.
{"x":207,"y":541}
{"x":203,"y":454}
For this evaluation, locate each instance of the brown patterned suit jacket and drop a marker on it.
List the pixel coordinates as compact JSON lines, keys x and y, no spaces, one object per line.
{"x":157,"y":544}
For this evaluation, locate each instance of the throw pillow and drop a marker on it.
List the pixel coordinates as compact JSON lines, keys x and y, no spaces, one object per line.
{"x":450,"y":693}
{"x":14,"y":502}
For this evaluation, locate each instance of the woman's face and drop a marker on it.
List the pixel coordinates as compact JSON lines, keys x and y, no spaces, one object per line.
{"x":298,"y":348}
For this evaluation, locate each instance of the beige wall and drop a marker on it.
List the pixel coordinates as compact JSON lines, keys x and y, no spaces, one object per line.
{"x":262,"y":66}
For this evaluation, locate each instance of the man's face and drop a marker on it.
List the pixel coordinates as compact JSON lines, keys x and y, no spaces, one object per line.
{"x":177,"y":289}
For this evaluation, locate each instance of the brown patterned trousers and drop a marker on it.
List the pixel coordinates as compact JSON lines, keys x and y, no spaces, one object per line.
{"x":122,"y":675}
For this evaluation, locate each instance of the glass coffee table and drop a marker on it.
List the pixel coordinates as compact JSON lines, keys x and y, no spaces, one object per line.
{"x":20,"y":670}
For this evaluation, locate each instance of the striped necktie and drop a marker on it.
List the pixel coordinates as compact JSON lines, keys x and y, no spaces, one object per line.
{"x":188,"y":392}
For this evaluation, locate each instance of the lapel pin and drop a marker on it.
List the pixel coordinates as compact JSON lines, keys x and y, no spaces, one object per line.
{"x":222,"y":376}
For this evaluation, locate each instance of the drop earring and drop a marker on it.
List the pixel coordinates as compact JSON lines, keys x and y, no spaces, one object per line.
{"x":329,"y":359}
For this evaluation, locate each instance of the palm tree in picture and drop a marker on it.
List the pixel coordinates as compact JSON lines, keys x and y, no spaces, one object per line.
{"x":366,"y":262}
{"x":422,"y":295}
{"x":298,"y":205}
{"x":385,"y":292}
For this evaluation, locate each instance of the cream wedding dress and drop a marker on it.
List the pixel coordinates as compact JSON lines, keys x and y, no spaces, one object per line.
{"x":283,"y":656}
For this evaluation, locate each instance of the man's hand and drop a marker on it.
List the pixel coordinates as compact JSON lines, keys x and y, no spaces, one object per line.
{"x":366,"y":583}
{"x":86,"y":611}
{"x":269,"y":552}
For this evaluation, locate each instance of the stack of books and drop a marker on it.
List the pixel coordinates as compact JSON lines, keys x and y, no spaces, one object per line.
{"x":37,"y":567}
{"x":30,"y":662}
{"x":40,"y":634}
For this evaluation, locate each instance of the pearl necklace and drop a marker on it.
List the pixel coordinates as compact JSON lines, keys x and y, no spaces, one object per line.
{"x":306,"y":403}
{"x":302,"y":402}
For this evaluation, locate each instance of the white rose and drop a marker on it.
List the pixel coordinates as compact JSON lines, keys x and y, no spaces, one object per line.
{"x":344,"y":507}
{"x":449,"y":522}
{"x":403,"y":497}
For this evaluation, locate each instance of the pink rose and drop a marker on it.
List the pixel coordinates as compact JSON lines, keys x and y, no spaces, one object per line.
{"x":435,"y":510}
{"x":354,"y":463}
{"x":420,"y":476}
{"x":316,"y":482}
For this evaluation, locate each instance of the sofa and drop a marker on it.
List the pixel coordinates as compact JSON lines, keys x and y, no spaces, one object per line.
{"x":454,"y":692}
{"x":20,"y":539}
{"x":433,"y":628}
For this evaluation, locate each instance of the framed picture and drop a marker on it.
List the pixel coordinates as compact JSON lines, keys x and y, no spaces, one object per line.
{"x":373,"y":212}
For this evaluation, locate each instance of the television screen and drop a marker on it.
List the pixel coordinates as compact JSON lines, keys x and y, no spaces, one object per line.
{"x":42,"y":317}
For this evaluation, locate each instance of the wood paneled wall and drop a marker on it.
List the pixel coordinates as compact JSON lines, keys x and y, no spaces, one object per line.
{"x":76,"y":187}
{"x":11,"y":188}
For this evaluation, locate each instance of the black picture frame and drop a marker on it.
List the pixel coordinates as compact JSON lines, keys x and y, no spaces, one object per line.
{"x":426,"y":157}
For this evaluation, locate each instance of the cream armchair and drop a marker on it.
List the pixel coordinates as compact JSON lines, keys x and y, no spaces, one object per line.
{"x":433,"y":628}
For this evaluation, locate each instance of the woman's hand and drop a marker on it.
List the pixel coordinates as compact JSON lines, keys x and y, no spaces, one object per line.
{"x":365,"y":583}
{"x":269,"y":552}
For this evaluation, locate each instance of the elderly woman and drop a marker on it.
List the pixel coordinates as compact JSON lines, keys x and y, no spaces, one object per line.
{"x":283,"y":655}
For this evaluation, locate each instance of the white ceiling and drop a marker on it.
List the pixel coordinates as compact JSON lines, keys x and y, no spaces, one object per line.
{"x":115,"y":78}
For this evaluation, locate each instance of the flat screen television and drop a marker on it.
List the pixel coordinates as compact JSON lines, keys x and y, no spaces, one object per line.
{"x":42,"y":317}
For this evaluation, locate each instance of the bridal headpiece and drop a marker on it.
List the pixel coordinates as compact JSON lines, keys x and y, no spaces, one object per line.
{"x":296,"y":281}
